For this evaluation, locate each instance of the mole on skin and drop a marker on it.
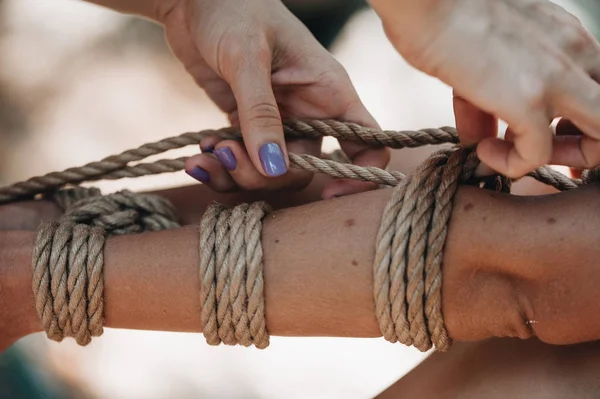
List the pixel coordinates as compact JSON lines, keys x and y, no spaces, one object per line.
{"x":468,"y":207}
{"x":354,"y":262}
{"x":551,"y":221}
{"x":350,"y":222}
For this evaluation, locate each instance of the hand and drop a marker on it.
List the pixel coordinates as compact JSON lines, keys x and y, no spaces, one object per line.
{"x":524,"y":61}
{"x":259,"y":64}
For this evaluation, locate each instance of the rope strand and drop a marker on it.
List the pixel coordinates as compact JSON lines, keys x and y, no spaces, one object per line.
{"x":68,"y":255}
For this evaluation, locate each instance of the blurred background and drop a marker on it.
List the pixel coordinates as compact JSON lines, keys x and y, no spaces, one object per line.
{"x":77,"y":83}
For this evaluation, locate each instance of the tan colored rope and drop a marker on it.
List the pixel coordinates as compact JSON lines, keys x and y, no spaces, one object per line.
{"x":117,"y":166}
{"x":68,"y":279}
{"x":232,"y":304}
{"x":410,"y":242}
{"x":67,"y":260}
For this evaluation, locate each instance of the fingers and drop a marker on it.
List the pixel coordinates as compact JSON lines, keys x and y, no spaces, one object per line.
{"x":531,"y":147}
{"x":208,"y":143}
{"x":580,"y":103}
{"x":230,"y":168}
{"x":259,"y":115}
{"x":359,"y":154}
{"x":473,"y":124}
{"x":573,"y":148}
{"x":570,"y":146}
{"x":208,"y":170}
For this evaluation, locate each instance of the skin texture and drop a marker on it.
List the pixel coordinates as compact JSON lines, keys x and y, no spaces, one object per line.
{"x":523,"y":61}
{"x":491,"y":288}
{"x":469,"y":369}
{"x":260,"y":64}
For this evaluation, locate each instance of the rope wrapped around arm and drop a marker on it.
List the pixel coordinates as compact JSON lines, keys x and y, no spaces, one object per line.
{"x":67,"y":260}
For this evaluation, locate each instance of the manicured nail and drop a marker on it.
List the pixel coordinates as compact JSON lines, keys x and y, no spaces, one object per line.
{"x":271,"y":158}
{"x":226,"y":157}
{"x":208,"y":150}
{"x":199,"y":174}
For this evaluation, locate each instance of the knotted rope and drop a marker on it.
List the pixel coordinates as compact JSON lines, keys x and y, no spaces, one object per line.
{"x":67,"y":259}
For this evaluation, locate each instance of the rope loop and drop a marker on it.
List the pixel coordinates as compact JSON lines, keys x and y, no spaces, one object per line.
{"x":68,"y":254}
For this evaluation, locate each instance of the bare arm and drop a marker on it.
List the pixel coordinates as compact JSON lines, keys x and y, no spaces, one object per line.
{"x":528,"y":263}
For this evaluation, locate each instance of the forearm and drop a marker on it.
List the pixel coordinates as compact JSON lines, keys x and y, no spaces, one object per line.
{"x":316,"y":286}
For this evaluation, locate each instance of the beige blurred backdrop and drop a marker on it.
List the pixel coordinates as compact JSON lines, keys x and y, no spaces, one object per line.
{"x":77,"y":83}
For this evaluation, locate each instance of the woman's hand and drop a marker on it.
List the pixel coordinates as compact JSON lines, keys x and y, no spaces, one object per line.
{"x":259,"y":64}
{"x":523,"y":61}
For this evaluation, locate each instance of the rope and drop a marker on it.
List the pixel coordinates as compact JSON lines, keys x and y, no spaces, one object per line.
{"x":232,"y":304}
{"x":68,"y":279}
{"x":67,"y":259}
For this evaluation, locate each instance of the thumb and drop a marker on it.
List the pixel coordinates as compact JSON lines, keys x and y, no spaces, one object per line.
{"x":473,"y":124}
{"x":259,"y":116}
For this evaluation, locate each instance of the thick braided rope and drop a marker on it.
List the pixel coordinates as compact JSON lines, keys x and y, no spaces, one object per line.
{"x":408,"y":259}
{"x":410,"y":242}
{"x":117,"y":166}
{"x":68,"y":281}
{"x":231,"y":294}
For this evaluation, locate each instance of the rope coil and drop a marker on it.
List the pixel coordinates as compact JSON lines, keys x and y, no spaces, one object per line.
{"x":232,"y":303}
{"x":67,"y":260}
{"x":68,"y":281}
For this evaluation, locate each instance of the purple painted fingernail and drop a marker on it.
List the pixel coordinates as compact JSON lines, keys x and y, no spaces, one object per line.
{"x":208,"y":149}
{"x":226,"y":157}
{"x":199,"y":174}
{"x":271,"y":158}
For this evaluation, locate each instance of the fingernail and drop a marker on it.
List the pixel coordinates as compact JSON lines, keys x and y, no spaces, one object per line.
{"x":271,"y":158}
{"x":199,"y":174}
{"x":226,"y":157}
{"x":208,"y":149}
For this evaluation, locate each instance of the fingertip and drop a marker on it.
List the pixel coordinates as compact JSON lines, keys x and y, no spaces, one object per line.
{"x":273,"y":159}
{"x":473,"y":124}
{"x":207,"y":170}
{"x":495,"y":152}
{"x":208,"y":143}
{"x":503,"y":157}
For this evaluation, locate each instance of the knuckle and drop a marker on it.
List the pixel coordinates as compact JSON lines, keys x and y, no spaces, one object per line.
{"x":236,"y":50}
{"x":535,"y":94}
{"x":264,"y":114}
{"x":577,"y":39}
